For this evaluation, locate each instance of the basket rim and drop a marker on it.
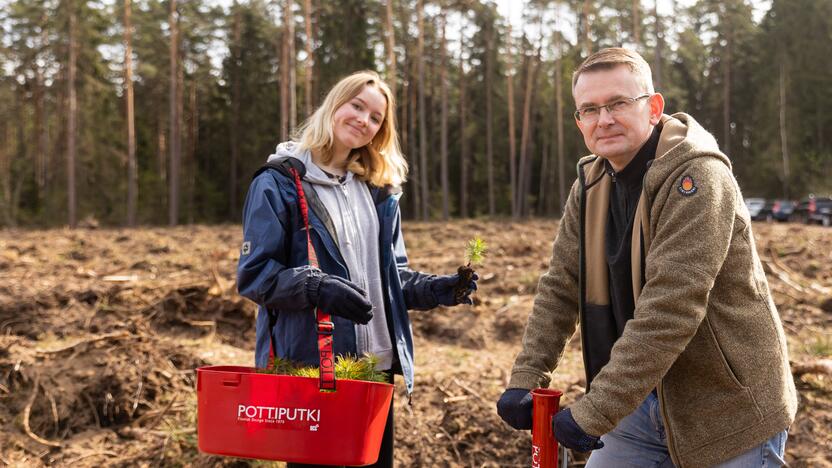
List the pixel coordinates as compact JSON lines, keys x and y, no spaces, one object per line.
{"x":246,"y":370}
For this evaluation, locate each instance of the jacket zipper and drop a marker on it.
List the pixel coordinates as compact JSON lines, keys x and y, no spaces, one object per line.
{"x":331,"y":254}
{"x":660,"y":387}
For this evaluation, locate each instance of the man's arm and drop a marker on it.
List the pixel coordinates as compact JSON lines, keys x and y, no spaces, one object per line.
{"x":555,"y":313}
{"x":689,"y":246}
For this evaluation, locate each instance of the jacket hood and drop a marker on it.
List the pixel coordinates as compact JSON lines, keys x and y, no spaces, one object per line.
{"x":682,"y":139}
{"x":314,"y":174}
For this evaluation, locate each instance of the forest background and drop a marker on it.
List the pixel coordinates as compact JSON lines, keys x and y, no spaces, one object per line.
{"x":128,"y":112}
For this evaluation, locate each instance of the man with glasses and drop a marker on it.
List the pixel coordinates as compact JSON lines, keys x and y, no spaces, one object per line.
{"x":685,"y":356}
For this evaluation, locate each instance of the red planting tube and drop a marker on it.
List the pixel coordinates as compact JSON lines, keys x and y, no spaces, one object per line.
{"x":545,"y":403}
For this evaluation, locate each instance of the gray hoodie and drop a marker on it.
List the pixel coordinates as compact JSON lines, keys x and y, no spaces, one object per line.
{"x":353,"y":213}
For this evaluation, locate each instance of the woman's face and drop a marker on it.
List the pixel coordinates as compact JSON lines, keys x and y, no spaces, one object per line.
{"x":357,"y":121}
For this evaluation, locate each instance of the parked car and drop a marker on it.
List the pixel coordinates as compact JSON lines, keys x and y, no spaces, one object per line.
{"x":814,"y":210}
{"x":758,"y":208}
{"x":781,"y":210}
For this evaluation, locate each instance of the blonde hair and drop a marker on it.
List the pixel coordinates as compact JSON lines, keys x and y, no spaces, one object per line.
{"x":612,"y":57}
{"x":381,"y":161}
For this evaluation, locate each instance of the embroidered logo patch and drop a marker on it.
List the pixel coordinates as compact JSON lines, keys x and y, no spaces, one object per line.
{"x":687,"y":186}
{"x":246,"y":249}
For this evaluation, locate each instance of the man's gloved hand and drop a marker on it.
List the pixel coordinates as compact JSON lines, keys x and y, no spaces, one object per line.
{"x":569,"y":434}
{"x":515,"y":407}
{"x":338,"y":296}
{"x":444,"y":289}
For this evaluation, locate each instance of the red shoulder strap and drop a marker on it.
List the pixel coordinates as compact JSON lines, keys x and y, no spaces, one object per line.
{"x":325,"y":326}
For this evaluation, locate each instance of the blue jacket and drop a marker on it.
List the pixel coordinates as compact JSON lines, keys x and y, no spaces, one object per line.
{"x":274,"y":265}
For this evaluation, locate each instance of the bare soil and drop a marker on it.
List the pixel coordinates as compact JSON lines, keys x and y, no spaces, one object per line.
{"x":101,"y":330}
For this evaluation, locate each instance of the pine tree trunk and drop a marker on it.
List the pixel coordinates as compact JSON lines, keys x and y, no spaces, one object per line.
{"x":390,"y":44}
{"x":310,"y":59}
{"x":405,"y":99}
{"x":423,"y":133}
{"x":489,"y":124}
{"x":161,"y":161}
{"x":193,"y":138}
{"x":545,"y":181}
{"x":288,"y":121}
{"x":174,"y":140}
{"x":464,"y":169}
{"x":316,"y":19}
{"x":524,"y":139}
{"x":409,"y":112}
{"x":783,"y":141}
{"x":285,"y":105}
{"x":512,"y":146}
{"x":657,"y":61}
{"x":132,"y":166}
{"x":587,"y":41}
{"x":413,"y":87}
{"x":40,"y":134}
{"x":71,"y":118}
{"x":525,"y":209}
{"x":42,"y":122}
{"x":5,"y":174}
{"x":16,"y":182}
{"x":636,"y":23}
{"x":236,"y":49}
{"x":443,"y":150}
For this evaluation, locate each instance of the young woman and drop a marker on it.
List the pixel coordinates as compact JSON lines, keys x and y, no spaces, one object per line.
{"x":351,"y":167}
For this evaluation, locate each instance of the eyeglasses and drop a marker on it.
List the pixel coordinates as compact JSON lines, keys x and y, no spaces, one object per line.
{"x":591,"y":113}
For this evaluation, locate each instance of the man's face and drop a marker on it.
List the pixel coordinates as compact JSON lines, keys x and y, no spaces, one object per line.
{"x":616,"y":137}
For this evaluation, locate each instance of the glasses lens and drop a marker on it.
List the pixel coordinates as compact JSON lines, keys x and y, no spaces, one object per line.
{"x":619,"y":106}
{"x":588,"y":113}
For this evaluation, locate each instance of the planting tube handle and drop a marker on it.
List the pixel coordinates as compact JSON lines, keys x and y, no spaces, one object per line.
{"x":325,"y":327}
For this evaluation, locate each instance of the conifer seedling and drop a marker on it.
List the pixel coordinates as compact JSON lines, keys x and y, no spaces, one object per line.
{"x":346,"y":367}
{"x":474,"y":255}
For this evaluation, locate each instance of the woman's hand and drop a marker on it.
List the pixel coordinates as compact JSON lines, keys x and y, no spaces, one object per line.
{"x":338,"y":296}
{"x":444,"y":289}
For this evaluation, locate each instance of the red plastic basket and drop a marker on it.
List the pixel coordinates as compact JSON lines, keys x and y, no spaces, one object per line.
{"x":243,"y":413}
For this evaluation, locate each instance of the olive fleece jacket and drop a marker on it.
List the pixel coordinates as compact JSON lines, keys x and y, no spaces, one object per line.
{"x":705,"y":330}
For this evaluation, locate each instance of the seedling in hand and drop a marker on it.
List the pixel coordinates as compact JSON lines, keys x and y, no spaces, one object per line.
{"x":474,"y":254}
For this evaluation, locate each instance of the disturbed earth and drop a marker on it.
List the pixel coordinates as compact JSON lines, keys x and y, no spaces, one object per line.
{"x":101,"y":331}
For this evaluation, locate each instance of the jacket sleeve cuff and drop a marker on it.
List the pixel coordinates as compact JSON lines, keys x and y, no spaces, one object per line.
{"x":529,"y":380}
{"x":592,"y":421}
{"x":418,"y":294}
{"x":312,"y":285}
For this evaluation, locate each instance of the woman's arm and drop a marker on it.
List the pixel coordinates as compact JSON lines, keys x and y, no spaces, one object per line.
{"x":415,"y":285}
{"x":262,"y":272}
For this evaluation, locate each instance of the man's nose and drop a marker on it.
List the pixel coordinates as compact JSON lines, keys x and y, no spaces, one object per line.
{"x":605,"y":117}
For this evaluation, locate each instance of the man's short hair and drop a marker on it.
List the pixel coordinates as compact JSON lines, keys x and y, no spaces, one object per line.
{"x":611,"y":57}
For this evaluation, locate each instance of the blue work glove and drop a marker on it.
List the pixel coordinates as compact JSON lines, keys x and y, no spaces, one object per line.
{"x":569,"y":434}
{"x":338,"y":296}
{"x":515,"y":407}
{"x":444,"y":289}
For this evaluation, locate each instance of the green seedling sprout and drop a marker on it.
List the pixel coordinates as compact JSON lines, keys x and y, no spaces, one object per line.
{"x":474,"y":254}
{"x":475,"y":251}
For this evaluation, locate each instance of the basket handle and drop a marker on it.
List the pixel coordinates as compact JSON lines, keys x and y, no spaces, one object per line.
{"x":325,"y":327}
